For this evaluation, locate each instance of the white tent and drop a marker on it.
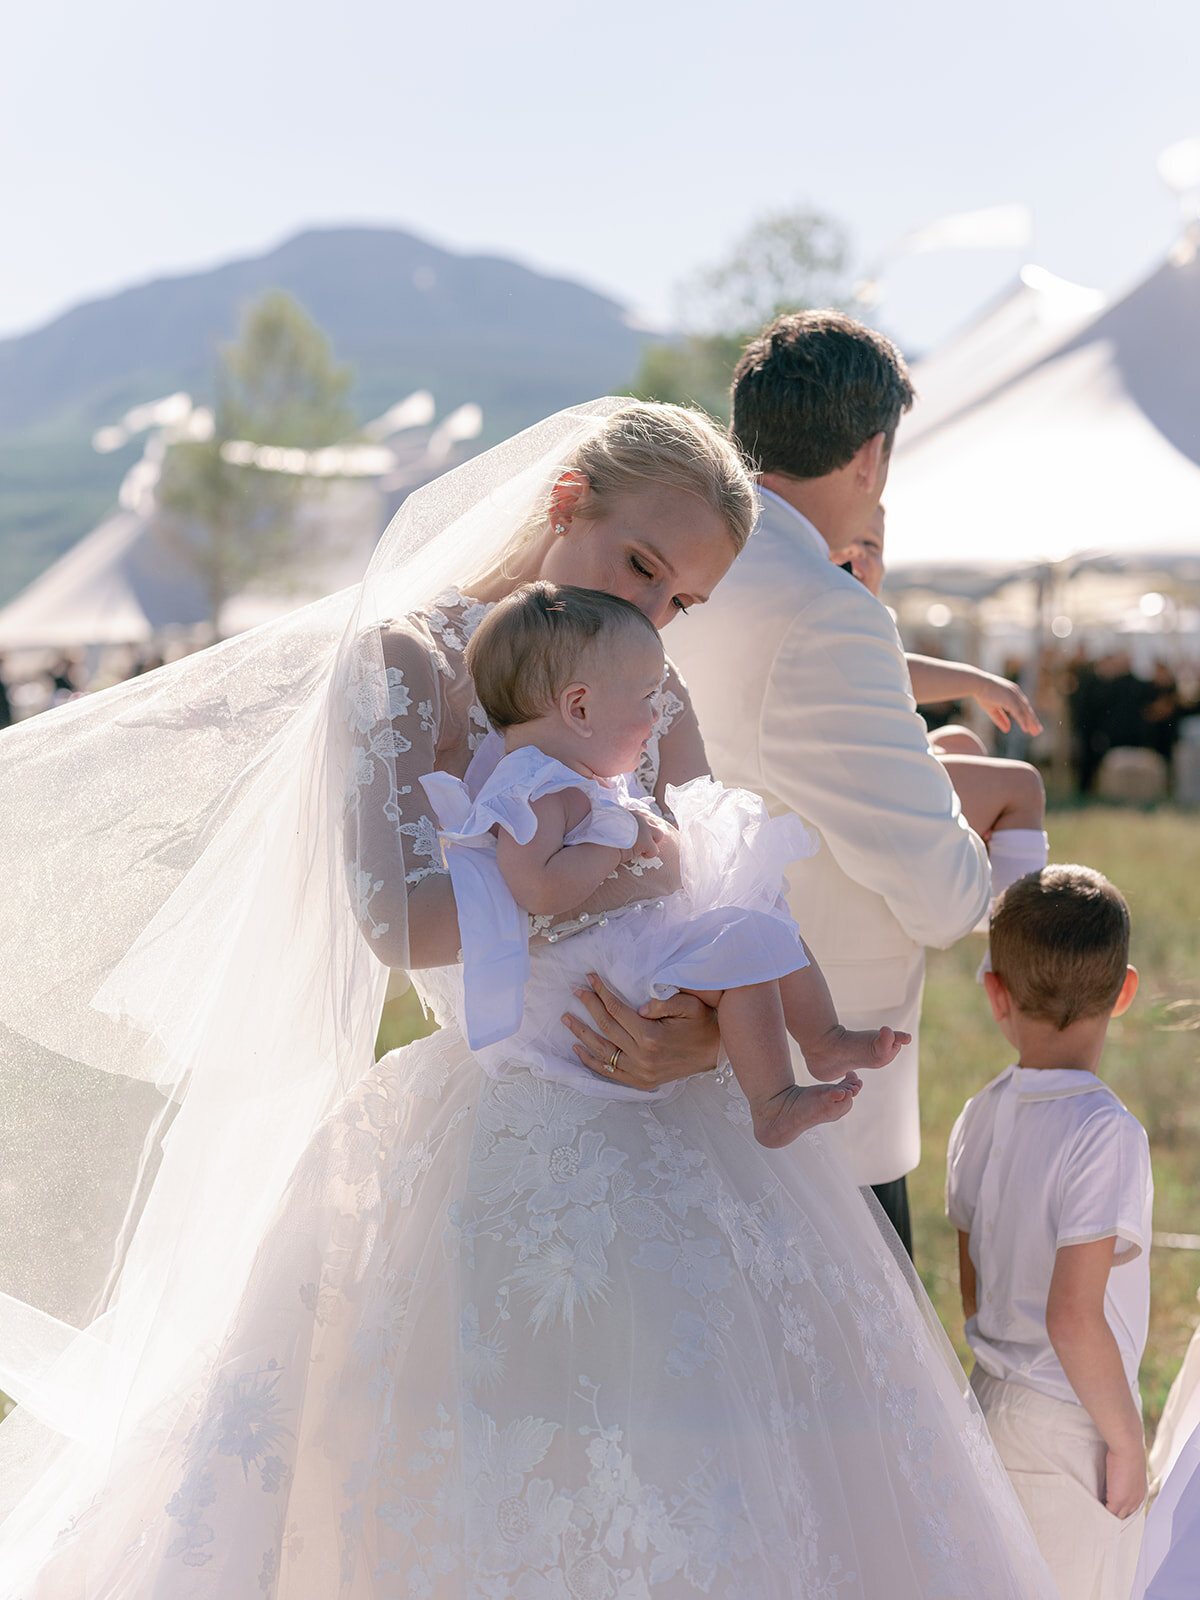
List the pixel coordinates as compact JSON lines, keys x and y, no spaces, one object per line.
{"x":1030,"y":319}
{"x":122,"y":585}
{"x":1089,"y":448}
{"x":118,"y":585}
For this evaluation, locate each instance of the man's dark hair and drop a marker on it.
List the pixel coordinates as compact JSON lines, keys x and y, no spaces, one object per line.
{"x":1060,"y":941}
{"x":811,"y":389}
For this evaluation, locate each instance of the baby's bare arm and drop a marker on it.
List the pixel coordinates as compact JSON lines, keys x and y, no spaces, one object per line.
{"x":547,"y":876}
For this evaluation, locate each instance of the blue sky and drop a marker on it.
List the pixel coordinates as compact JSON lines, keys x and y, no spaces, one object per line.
{"x":622,"y":143}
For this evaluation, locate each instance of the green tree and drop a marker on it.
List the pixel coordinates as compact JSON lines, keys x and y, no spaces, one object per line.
{"x":234,"y":524}
{"x":786,"y":261}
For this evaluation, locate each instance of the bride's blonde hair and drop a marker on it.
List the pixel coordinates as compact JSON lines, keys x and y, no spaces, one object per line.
{"x":648,"y":442}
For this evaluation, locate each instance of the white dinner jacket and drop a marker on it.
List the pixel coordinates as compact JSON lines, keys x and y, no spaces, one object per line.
{"x":800,"y":685}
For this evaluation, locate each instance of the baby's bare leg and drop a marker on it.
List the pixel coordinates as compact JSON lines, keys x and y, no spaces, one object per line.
{"x":755,"y":1039}
{"x":829,"y":1049}
{"x":997,"y":794}
{"x":955,"y":740}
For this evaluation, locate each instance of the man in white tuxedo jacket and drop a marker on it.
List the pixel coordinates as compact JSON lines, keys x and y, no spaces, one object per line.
{"x":799,"y":682}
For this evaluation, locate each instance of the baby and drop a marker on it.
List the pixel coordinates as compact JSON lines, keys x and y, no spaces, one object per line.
{"x":569,"y":677}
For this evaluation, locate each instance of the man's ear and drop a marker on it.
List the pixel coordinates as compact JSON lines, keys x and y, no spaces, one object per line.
{"x":1128,"y":989}
{"x":565,"y":498}
{"x":870,"y":465}
{"x":998,"y":996}
{"x":573,"y":704}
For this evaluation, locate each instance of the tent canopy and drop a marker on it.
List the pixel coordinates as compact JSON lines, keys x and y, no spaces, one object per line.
{"x":1088,"y":448}
{"x":122,"y":585}
{"x":118,"y":585}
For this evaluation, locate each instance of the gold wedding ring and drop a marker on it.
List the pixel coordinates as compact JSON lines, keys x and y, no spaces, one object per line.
{"x":611,"y":1064}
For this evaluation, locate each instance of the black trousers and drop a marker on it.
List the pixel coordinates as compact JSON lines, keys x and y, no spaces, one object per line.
{"x":893,"y":1197}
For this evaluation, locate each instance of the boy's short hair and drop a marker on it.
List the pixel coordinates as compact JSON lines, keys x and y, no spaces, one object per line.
{"x":1060,"y":941}
{"x":811,"y":389}
{"x":525,"y":651}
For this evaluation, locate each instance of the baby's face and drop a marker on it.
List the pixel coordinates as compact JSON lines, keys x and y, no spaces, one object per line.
{"x":864,"y":554}
{"x":623,"y":673}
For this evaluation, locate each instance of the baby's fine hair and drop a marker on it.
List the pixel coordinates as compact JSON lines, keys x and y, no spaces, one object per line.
{"x":525,"y":651}
{"x":1060,"y":941}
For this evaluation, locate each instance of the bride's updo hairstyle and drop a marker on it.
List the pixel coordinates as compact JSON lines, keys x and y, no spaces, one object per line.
{"x":527,"y":649}
{"x":647,"y":444}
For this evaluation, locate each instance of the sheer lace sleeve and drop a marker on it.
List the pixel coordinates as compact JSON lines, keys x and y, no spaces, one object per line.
{"x":676,"y":752}
{"x":392,"y":842}
{"x":412,"y":709}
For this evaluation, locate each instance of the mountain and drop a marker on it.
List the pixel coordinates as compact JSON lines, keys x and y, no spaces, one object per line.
{"x":403,"y":312}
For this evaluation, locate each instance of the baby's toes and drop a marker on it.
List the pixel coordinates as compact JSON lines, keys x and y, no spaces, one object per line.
{"x":836,"y":1102}
{"x":887,"y":1045}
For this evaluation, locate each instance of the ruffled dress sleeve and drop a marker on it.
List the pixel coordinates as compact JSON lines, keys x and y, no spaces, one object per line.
{"x":494,"y":929}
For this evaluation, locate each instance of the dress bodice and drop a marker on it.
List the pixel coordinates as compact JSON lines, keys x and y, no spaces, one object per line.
{"x":434,"y":722}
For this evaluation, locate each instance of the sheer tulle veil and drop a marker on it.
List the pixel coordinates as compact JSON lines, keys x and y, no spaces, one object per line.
{"x":186,"y":991}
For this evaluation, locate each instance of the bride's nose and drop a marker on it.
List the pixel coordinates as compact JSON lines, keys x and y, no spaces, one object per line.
{"x":658,"y":607}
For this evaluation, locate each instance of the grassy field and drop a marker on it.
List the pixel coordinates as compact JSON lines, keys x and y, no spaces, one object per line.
{"x":1151,"y":1061}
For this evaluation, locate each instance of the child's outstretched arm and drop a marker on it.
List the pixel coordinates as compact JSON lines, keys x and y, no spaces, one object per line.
{"x":1084,"y":1343}
{"x":547,"y":876}
{"x":1004,"y":702}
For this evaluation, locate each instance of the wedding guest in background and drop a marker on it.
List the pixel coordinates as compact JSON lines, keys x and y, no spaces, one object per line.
{"x":1108,"y":712}
{"x":1048,"y":1183}
{"x":63,"y":678}
{"x":802,"y":692}
{"x":146,"y":661}
{"x":1162,"y":711}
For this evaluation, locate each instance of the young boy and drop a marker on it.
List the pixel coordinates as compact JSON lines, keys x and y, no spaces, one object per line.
{"x":1048,"y":1183}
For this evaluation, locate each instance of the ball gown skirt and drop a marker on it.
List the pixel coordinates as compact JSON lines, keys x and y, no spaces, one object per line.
{"x":505,"y":1338}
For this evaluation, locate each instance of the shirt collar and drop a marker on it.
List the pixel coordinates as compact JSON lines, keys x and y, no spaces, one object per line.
{"x":769,"y":494}
{"x":1055,"y":1083}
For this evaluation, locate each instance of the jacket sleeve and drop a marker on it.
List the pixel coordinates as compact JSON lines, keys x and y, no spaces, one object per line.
{"x":842,"y":744}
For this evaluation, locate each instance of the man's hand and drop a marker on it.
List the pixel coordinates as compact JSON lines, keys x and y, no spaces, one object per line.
{"x":665,"y":1041}
{"x":1125,"y":1479}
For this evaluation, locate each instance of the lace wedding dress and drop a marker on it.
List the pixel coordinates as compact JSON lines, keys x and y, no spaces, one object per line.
{"x":505,"y":1338}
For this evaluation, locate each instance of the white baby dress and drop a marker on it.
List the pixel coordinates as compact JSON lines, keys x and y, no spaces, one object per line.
{"x":725,"y":928}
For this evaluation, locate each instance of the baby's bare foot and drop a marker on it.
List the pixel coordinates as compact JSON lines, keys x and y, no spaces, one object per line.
{"x":791,"y":1112}
{"x":852,"y":1049}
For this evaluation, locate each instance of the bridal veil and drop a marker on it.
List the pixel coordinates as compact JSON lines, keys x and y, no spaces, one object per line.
{"x":186,"y":990}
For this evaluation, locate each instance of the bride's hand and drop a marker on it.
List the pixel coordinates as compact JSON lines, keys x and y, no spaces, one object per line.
{"x":666,"y":1040}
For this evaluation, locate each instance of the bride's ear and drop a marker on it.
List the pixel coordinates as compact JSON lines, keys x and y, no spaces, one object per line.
{"x":573,"y":704}
{"x":565,"y":499}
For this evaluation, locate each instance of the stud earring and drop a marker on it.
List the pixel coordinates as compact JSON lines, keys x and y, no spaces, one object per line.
{"x":560,"y":527}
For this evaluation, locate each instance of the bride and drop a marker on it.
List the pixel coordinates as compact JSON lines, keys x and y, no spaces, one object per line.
{"x":283,"y":1323}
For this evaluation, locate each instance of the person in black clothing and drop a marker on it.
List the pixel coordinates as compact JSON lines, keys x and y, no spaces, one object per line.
{"x":1162,"y":712}
{"x":1108,"y":708}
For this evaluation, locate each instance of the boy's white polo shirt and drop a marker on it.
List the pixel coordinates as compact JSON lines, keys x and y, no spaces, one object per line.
{"x":1038,"y":1160}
